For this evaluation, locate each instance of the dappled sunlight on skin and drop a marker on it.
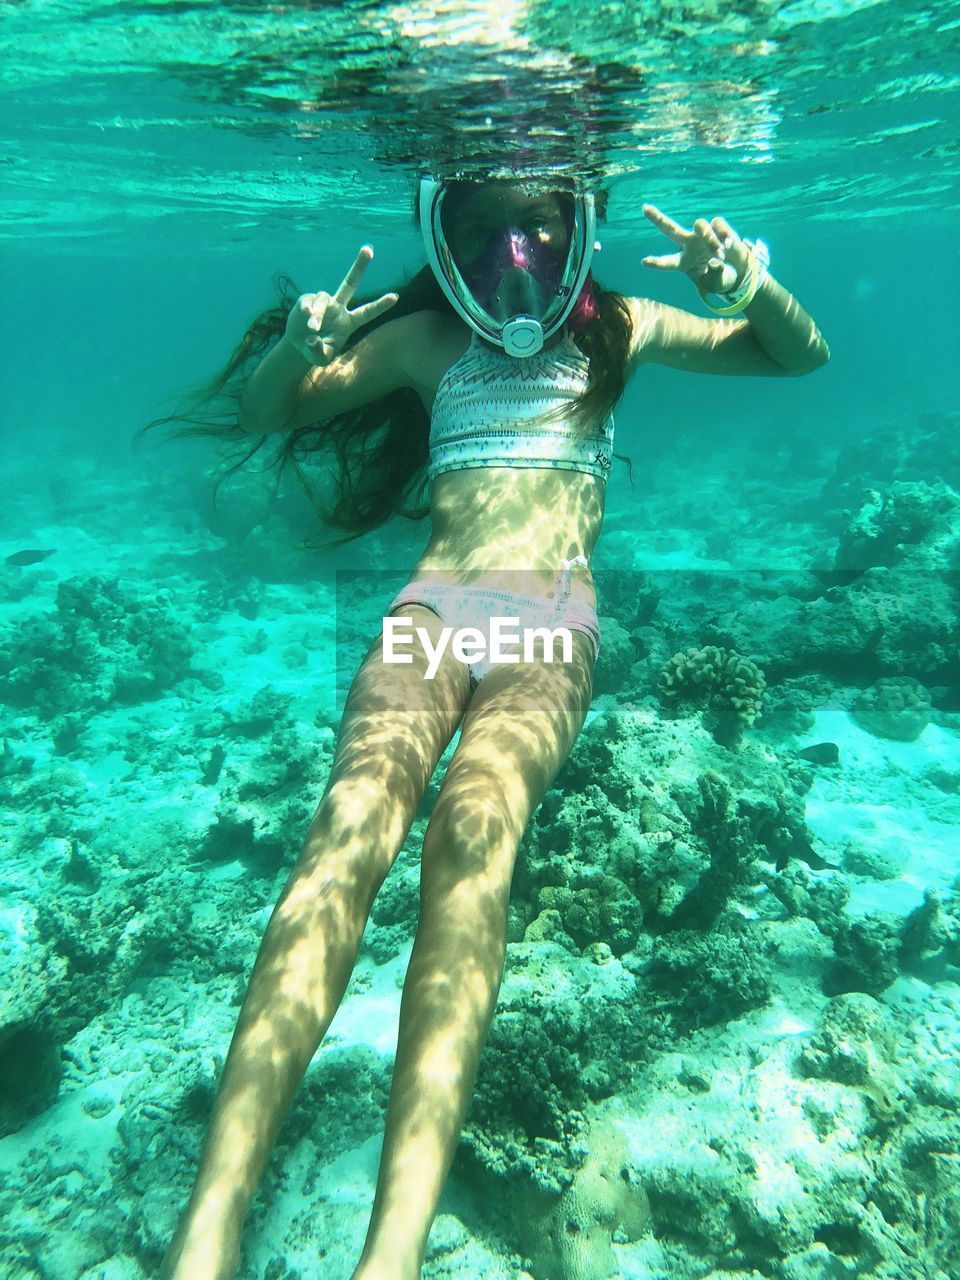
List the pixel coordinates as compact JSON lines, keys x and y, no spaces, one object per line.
{"x":395,"y":727}
{"x":493,"y":521}
{"x":518,"y":729}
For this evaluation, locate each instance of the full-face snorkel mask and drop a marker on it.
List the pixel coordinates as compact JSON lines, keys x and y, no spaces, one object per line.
{"x":513,"y":277}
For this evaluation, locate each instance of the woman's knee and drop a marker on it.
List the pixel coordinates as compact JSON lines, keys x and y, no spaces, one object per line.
{"x":469,"y":820}
{"x":470,"y":842}
{"x":352,"y":810}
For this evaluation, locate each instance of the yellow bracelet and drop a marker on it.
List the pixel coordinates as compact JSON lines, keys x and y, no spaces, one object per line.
{"x":752,"y":284}
{"x":747,"y":290}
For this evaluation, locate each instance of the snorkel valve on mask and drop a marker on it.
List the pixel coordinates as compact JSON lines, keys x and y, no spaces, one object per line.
{"x":516,"y":293}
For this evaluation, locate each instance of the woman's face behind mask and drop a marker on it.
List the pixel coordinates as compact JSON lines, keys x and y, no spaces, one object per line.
{"x":509,"y":247}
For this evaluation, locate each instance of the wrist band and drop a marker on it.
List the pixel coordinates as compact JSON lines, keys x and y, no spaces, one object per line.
{"x":745,"y":292}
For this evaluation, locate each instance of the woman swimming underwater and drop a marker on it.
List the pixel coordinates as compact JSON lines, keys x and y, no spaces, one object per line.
{"x":504,"y":359}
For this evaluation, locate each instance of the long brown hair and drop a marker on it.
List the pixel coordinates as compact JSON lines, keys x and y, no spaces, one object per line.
{"x":381,"y":449}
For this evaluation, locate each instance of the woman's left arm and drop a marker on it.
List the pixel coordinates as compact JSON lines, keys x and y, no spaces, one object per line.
{"x":775,"y":337}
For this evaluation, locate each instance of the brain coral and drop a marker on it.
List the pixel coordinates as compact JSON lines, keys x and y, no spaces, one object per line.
{"x":728,"y":685}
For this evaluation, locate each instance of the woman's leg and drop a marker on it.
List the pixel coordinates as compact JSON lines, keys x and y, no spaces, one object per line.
{"x":395,"y":727}
{"x":518,"y":730}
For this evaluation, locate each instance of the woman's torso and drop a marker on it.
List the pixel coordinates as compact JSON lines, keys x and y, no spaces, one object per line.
{"x":511,"y":524}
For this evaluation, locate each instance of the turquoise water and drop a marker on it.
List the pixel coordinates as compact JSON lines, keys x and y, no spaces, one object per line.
{"x":726,"y":1041}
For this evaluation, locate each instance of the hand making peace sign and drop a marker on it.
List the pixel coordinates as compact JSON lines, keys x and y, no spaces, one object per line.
{"x":320,"y":324}
{"x":712,"y":254}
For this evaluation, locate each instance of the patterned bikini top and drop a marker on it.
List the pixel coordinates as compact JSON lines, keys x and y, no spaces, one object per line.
{"x":485,"y":400}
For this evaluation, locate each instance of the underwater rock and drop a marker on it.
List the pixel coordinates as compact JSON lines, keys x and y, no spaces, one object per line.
{"x":823,"y":900}
{"x":789,"y":706}
{"x":341,"y":1102}
{"x":547,"y":1059}
{"x":236,"y":836}
{"x":628,"y":595}
{"x":266,"y":711}
{"x":818,"y":1263}
{"x":30,"y":1037}
{"x":30,"y":1069}
{"x":594,"y":908}
{"x":854,"y":1044}
{"x":730,"y":837}
{"x":105,"y":643}
{"x":873,"y":861}
{"x":394,"y":913}
{"x":12,"y":764}
{"x":926,"y":450}
{"x":526,"y":1114}
{"x":160,"y":1134}
{"x":211,"y":771}
{"x":895,"y":707}
{"x":889,"y":621}
{"x":712,"y":977}
{"x":867,"y":955}
{"x":943,"y":776}
{"x":932,"y":929}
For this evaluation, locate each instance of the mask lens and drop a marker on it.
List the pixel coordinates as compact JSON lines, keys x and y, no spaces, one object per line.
{"x":476,"y":232}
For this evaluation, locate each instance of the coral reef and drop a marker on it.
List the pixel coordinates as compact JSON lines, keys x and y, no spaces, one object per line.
{"x":906,"y":514}
{"x":712,"y":977}
{"x":104,"y":644}
{"x":571,"y":1234}
{"x":617,"y":654}
{"x":540,"y":1074}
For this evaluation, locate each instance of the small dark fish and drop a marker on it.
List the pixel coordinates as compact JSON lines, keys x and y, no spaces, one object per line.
{"x":29,"y":557}
{"x":820,"y":753}
{"x":812,"y":859}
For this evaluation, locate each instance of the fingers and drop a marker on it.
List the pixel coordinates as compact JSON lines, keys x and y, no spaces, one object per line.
{"x":704,"y":250}
{"x":307,"y":319}
{"x":667,"y":225}
{"x":353,"y":277}
{"x":370,"y":310}
{"x":708,"y":235}
{"x":665,"y":262}
{"x":315,"y":305}
{"x":724,"y":230}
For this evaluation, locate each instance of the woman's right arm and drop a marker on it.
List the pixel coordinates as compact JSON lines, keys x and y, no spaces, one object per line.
{"x":286,"y":392}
